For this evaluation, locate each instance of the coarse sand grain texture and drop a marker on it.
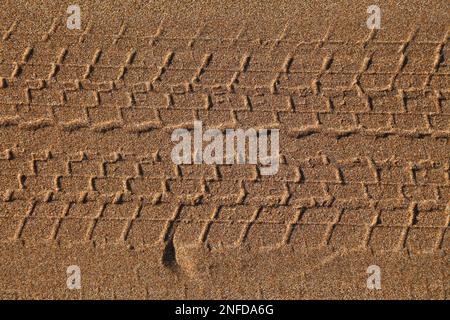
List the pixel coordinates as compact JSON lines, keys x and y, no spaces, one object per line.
{"x":362,"y":192}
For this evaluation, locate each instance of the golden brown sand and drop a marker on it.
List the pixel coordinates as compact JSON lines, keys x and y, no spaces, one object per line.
{"x":86,"y":176}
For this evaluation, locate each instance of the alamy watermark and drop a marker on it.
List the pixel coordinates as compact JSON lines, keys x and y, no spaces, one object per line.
{"x":73,"y":277}
{"x":374,"y":19}
{"x":74,"y":20}
{"x":227,"y":146}
{"x":374,"y":279}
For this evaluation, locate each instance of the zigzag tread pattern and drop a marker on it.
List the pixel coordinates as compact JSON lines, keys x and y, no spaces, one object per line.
{"x":364,"y":126}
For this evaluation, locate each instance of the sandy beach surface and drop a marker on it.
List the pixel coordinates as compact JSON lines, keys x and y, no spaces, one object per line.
{"x":87,"y":178}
